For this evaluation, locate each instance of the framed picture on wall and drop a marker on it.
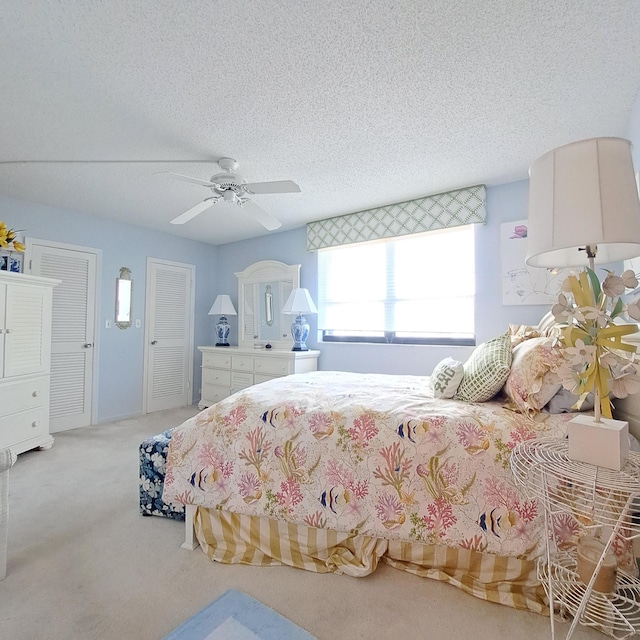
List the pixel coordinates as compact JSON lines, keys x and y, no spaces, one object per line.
{"x":522,"y":284}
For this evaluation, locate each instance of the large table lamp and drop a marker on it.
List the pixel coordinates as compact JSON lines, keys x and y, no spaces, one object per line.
{"x":222,"y":307}
{"x":299,"y":303}
{"x":584,"y":209}
{"x":583,"y":205}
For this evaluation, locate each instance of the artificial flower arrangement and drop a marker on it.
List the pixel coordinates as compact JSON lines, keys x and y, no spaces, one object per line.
{"x":595,"y":357}
{"x":8,"y":239}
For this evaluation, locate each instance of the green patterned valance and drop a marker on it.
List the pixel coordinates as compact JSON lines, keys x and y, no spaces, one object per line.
{"x":450,"y":209}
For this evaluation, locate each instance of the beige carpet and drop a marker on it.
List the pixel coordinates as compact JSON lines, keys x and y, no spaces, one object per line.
{"x":83,"y":563}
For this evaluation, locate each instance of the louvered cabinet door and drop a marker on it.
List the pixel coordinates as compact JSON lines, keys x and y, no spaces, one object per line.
{"x":169,"y":333}
{"x":72,"y":334}
{"x":26,"y":337}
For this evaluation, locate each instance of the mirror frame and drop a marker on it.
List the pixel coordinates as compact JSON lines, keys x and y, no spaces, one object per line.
{"x":125,"y":274}
{"x":266,"y":272}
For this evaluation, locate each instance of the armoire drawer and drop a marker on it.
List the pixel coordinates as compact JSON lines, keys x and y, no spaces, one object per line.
{"x":272,"y":366}
{"x":221,"y":360}
{"x":216,"y":376}
{"x":24,"y":425}
{"x":27,"y":394}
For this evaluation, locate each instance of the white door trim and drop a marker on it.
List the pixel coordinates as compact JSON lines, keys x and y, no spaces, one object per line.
{"x":147,"y":316}
{"x":29,"y":242}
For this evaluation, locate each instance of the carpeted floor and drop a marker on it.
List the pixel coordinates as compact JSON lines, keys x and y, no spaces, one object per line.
{"x":83,"y":564}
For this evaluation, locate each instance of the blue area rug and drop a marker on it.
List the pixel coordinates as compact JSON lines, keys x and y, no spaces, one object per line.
{"x":237,"y":616}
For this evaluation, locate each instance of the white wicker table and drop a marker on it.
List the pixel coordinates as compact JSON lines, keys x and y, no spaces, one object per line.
{"x":600,"y":501}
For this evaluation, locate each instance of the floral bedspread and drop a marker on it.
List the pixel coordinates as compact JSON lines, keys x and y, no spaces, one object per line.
{"x":371,"y":453}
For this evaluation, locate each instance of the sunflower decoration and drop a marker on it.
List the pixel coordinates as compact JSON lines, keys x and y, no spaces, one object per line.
{"x":8,"y":239}
{"x":595,"y":357}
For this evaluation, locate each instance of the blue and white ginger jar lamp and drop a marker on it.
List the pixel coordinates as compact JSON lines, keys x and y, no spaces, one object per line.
{"x":298,"y":303}
{"x":222,"y":307}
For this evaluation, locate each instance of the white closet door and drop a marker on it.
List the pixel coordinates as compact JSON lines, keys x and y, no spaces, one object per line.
{"x":168,"y":335}
{"x":72,"y":332}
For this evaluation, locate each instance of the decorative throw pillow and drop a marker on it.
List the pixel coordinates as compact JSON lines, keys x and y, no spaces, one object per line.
{"x":486,"y":370}
{"x":445,"y":378}
{"x":521,"y":332}
{"x":532,"y":381}
{"x":564,"y":400}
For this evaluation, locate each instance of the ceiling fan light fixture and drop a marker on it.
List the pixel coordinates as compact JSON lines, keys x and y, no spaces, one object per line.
{"x":231,"y":187}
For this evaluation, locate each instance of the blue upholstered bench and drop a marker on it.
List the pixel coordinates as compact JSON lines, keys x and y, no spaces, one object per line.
{"x":153,"y":456}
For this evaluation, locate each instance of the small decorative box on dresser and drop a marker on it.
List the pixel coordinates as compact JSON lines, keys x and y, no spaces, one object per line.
{"x":226,"y":370}
{"x":25,"y":357}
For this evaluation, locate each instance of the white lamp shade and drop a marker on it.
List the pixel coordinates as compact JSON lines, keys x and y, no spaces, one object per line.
{"x":583,"y":194}
{"x":222,"y":307}
{"x":299,"y":302}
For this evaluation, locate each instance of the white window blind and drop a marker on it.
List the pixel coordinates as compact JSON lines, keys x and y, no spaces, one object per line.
{"x":412,"y":288}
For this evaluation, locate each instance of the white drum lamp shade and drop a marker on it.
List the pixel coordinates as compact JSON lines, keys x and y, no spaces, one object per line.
{"x":583,"y":195}
{"x":222,"y":307}
{"x":298,"y":303}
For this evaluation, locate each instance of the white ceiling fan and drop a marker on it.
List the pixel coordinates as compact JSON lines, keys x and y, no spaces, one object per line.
{"x":232,"y":187}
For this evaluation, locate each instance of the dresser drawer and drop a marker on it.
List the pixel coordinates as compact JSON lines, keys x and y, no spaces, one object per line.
{"x":221,"y":360}
{"x":212,"y":393}
{"x":241,"y":380}
{"x":18,"y":427}
{"x":216,"y":376}
{"x":272,"y":366}
{"x":18,"y":396}
{"x":260,"y":377}
{"x":242,"y":363}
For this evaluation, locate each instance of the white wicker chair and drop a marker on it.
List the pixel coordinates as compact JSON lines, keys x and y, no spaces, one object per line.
{"x":7,"y":460}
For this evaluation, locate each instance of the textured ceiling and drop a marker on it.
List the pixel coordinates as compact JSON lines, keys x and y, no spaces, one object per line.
{"x":362,"y":103}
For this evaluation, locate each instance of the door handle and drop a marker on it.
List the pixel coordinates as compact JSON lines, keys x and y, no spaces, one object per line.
{"x":87,"y":345}
{"x":154,"y":342}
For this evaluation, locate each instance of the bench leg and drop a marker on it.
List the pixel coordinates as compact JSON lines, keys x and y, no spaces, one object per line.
{"x":190,"y":540}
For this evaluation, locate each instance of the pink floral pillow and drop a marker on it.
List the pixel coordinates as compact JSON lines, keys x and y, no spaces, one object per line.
{"x":532,"y":381}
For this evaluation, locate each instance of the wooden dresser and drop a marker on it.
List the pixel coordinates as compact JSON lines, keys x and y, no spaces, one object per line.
{"x":25,"y":357}
{"x":226,"y":370}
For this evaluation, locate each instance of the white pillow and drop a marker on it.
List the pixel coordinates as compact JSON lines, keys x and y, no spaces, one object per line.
{"x":446,"y":378}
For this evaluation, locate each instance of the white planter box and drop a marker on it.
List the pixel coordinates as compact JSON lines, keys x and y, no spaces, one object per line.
{"x":605,"y":444}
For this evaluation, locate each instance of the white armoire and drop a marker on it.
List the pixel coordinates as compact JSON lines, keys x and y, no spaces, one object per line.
{"x":25,"y":358}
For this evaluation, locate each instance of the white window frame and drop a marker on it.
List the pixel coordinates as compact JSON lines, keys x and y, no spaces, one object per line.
{"x":389,"y":333}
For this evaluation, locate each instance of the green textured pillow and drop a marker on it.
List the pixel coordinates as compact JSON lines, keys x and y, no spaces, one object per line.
{"x":486,"y":370}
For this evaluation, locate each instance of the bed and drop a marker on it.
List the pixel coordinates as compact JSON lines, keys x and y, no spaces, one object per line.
{"x":335,"y":471}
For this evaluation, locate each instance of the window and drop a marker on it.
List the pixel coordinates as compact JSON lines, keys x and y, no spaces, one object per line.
{"x":416,"y":289}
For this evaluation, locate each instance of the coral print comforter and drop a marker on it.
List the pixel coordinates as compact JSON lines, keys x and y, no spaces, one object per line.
{"x":373,"y":454}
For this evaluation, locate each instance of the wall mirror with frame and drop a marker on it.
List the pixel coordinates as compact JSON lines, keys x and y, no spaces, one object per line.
{"x":124,"y":296}
{"x":263,"y":288}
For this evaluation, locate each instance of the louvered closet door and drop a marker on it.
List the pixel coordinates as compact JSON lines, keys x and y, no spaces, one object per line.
{"x":169,"y":331}
{"x":72,"y":333}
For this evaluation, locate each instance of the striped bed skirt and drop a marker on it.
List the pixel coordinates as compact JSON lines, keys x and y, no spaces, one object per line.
{"x":233,"y":538}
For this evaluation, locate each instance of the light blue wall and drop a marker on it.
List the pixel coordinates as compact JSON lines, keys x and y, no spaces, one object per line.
{"x":633,"y":131}
{"x":505,"y":203}
{"x":120,"y":352}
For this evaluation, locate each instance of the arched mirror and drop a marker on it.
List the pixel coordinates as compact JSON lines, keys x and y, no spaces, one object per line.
{"x":263,"y":288}
{"x":124,"y":296}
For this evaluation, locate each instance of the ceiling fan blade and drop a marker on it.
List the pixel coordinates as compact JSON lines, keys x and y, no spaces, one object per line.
{"x":278,"y":186}
{"x":194,"y":211}
{"x":184,"y":178}
{"x":258,"y":214}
